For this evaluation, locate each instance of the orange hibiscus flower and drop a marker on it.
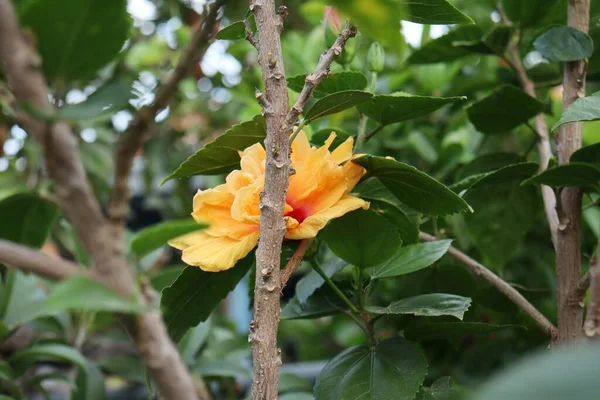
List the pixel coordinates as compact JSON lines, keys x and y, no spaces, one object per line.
{"x":318,"y":192}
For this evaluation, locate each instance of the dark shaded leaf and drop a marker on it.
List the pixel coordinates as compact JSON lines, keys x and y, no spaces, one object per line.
{"x":390,"y":109}
{"x":535,"y":13}
{"x":235,"y":31}
{"x":488,"y":163}
{"x":588,"y":154}
{"x":196,"y":293}
{"x":76,"y":37}
{"x":221,"y":156}
{"x":322,"y":302}
{"x":412,"y":187}
{"x":573,"y":174}
{"x":433,"y":12}
{"x":425,"y":330}
{"x":448,"y":47}
{"x":410,"y":259}
{"x":223,"y":369}
{"x":312,"y":281}
{"x":335,"y":82}
{"x":504,"y":109}
{"x":362,"y":238}
{"x":392,"y":370}
{"x":27,"y":218}
{"x":318,"y":138}
{"x":336,"y":102}
{"x":564,"y":44}
{"x":428,"y":305}
{"x":156,"y":236}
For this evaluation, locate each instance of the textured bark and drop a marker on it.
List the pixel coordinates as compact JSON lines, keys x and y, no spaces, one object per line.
{"x":568,"y":240}
{"x":263,"y":329}
{"x":592,"y":319}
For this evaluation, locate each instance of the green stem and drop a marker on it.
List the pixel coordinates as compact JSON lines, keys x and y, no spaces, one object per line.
{"x":361,"y":138}
{"x":333,"y":286}
{"x":373,"y":85}
{"x":297,"y":131}
{"x":425,"y":34}
{"x":369,"y":135}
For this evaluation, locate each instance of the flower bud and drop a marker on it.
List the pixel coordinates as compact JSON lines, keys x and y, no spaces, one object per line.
{"x":376,"y":57}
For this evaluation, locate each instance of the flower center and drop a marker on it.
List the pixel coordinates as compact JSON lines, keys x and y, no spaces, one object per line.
{"x":298,"y":213}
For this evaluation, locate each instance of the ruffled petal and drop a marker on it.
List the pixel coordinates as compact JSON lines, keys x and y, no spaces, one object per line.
{"x":343,"y":152}
{"x":301,"y":148}
{"x":353,"y":173}
{"x":245,"y":207}
{"x":313,"y":224}
{"x":214,"y":254}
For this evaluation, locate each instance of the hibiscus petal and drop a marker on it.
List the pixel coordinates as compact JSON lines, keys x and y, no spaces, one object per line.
{"x":313,"y":224}
{"x":214,"y":254}
{"x":353,"y":174}
{"x":343,"y":152}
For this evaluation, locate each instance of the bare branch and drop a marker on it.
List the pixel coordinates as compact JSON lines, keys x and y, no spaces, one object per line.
{"x":511,"y":293}
{"x":591,"y":327}
{"x":138,"y":131}
{"x":583,"y":285}
{"x":294,"y":262}
{"x":321,"y":72}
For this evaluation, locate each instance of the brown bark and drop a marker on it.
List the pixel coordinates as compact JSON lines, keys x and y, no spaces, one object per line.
{"x":568,"y":239}
{"x":592,"y":319}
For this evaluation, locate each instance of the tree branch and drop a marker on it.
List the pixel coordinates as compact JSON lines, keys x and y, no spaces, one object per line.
{"x":77,"y":200}
{"x":133,"y":139}
{"x":263,"y":329}
{"x":294,"y":262}
{"x":321,"y":72}
{"x":568,"y":243}
{"x":511,"y":293}
{"x":591,"y":327}
{"x":578,"y":294}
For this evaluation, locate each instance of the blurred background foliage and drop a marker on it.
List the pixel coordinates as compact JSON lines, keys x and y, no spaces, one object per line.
{"x":100,"y":93}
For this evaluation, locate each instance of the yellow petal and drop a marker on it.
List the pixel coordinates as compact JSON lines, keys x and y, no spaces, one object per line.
{"x":214,"y":254}
{"x":353,"y":174}
{"x":313,"y":224}
{"x":300,"y":147}
{"x":245,"y":206}
{"x":217,"y":196}
{"x":343,"y":152}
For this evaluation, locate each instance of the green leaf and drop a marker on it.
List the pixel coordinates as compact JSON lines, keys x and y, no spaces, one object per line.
{"x":196,"y":293}
{"x":165,"y":277}
{"x":561,"y":374}
{"x":428,"y":305}
{"x":82,"y":293}
{"x":398,"y":107}
{"x":362,"y":238}
{"x":410,"y":259}
{"x":377,"y":19}
{"x":312,"y":281}
{"x":235,"y":31}
{"x":319,"y":137}
{"x":156,"y":236}
{"x":448,"y":47}
{"x":27,"y":218}
{"x":223,"y":369}
{"x":193,"y":340}
{"x":336,"y":102}
{"x":503,"y":213}
{"x":221,"y":156}
{"x":537,"y":13}
{"x":440,"y":390}
{"x":50,"y":351}
{"x":335,"y":82}
{"x":588,"y":154}
{"x":433,"y":12}
{"x":573,"y":174}
{"x":76,"y":37}
{"x":564,"y":44}
{"x":426,"y":330}
{"x":89,"y":384}
{"x":488,"y":163}
{"x":289,"y":382}
{"x":24,"y":299}
{"x":392,"y":370}
{"x":108,"y":99}
{"x":583,"y":109}
{"x":412,"y":187}
{"x":322,"y":302}
{"x":128,"y":366}
{"x":504,"y":109}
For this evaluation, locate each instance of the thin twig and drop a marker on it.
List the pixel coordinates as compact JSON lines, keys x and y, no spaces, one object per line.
{"x":591,"y":327}
{"x":249,"y":34}
{"x":294,"y":262}
{"x":513,"y":295}
{"x":134,"y":137}
{"x":334,"y":287}
{"x":320,"y":73}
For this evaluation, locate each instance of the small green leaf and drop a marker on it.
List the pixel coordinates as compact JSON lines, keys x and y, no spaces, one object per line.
{"x":81,"y":293}
{"x":108,"y":99}
{"x":410,"y":259}
{"x":52,"y":351}
{"x":440,"y":390}
{"x":27,"y":218}
{"x":196,"y":293}
{"x":235,"y":31}
{"x":504,"y":109}
{"x":510,"y":174}
{"x":546,"y":376}
{"x":362,"y":238}
{"x":156,"y":236}
{"x":535,"y":13}
{"x":89,"y":384}
{"x":392,"y":370}
{"x":588,"y":154}
{"x":23,"y":299}
{"x":335,"y":82}
{"x":336,"y":102}
{"x":428,"y":305}
{"x":573,"y":174}
{"x":398,"y":107}
{"x":583,"y":109}
{"x":221,"y":156}
{"x":448,"y":47}
{"x":564,"y":44}
{"x":412,"y":187}
{"x":425,"y":330}
{"x":488,"y":163}
{"x":433,"y":12}
{"x":76,"y":37}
